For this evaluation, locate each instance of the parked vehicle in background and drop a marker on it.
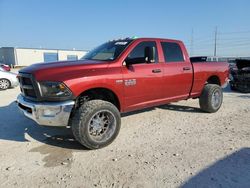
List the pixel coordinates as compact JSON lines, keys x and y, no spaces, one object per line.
{"x":5,"y":67}
{"x":240,"y":76}
{"x":7,"y":79}
{"x":207,"y":59}
{"x":119,"y":76}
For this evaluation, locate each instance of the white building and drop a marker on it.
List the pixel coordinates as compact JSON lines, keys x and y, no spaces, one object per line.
{"x":27,"y":56}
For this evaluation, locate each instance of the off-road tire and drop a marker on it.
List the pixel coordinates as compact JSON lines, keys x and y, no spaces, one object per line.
{"x":6,"y":82}
{"x":81,"y":119}
{"x":205,"y":99}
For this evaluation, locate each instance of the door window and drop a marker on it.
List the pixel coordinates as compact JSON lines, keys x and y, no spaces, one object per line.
{"x":172,"y":52}
{"x":137,"y":55}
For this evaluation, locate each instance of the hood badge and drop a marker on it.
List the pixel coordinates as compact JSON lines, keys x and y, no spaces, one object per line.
{"x":129,"y":82}
{"x":118,"y":81}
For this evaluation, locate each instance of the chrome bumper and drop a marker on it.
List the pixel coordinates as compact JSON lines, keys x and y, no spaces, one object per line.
{"x":46,"y":113}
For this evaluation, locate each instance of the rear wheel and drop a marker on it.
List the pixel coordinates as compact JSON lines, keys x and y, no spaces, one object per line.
{"x":4,"y":84}
{"x":211,"y":98}
{"x":96,"y":124}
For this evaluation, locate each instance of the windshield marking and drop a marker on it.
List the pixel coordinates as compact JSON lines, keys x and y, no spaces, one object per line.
{"x":121,"y":43}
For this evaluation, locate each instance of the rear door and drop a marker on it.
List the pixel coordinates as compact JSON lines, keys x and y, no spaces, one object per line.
{"x":178,"y":74}
{"x":142,"y":80}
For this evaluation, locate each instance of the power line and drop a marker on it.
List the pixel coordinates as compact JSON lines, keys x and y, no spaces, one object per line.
{"x":236,"y":46}
{"x":234,"y":32}
{"x":220,"y":43}
{"x":233,"y":39}
{"x":203,"y":39}
{"x":224,"y":42}
{"x":234,"y":43}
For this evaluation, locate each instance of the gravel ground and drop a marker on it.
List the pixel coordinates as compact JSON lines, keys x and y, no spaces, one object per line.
{"x":174,"y":145}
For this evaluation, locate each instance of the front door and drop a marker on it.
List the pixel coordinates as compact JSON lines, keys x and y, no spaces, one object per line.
{"x":142,"y":80}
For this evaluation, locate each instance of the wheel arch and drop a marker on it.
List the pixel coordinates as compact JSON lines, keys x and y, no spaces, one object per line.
{"x":214,"y":79}
{"x":101,"y":93}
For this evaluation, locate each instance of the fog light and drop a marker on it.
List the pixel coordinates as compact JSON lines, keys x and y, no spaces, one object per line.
{"x":51,"y":112}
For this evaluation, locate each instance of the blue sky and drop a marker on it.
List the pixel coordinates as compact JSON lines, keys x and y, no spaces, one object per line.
{"x":84,"y":24}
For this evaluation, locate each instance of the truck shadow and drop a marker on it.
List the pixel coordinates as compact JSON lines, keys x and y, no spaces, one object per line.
{"x":14,"y":126}
{"x":58,"y":143}
{"x":173,"y":107}
{"x":228,"y":89}
{"x":244,"y":96}
{"x":229,"y":172}
{"x":241,"y":94}
{"x":181,"y":108}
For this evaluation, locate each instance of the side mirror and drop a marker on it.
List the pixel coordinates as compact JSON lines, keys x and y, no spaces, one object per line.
{"x":132,"y":61}
{"x":150,"y":54}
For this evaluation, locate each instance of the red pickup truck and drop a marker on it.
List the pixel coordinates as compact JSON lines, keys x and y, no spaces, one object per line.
{"x":119,"y":76}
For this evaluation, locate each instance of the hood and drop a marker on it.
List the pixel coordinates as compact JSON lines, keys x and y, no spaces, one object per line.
{"x":64,"y":70}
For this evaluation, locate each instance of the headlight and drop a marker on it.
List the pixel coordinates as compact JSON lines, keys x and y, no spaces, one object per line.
{"x":54,"y":90}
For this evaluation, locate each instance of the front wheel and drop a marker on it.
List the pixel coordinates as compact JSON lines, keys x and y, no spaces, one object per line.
{"x":211,"y":98}
{"x":96,"y":124}
{"x":4,"y":84}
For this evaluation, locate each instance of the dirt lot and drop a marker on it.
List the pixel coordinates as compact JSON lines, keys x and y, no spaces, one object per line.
{"x":174,"y":145}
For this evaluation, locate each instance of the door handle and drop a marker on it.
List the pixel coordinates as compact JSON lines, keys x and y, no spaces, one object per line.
{"x":156,"y":70}
{"x":186,"y":68}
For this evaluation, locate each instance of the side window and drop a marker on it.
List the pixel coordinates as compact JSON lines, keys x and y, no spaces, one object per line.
{"x":137,"y":55}
{"x":172,"y":52}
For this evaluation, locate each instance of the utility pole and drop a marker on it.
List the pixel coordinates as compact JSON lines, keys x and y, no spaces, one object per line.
{"x":215,"y":41}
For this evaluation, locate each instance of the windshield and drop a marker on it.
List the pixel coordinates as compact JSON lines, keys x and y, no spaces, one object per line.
{"x":108,"y":51}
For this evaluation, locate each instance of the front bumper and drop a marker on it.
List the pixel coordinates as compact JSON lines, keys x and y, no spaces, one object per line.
{"x":46,"y":113}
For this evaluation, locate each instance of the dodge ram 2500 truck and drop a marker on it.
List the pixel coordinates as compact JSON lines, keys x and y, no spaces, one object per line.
{"x":119,"y":76}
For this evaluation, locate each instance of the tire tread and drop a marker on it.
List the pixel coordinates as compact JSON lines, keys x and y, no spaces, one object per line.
{"x":82,"y":114}
{"x":205,"y":100}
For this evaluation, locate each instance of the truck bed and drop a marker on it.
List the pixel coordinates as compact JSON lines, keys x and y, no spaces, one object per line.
{"x":208,"y":70}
